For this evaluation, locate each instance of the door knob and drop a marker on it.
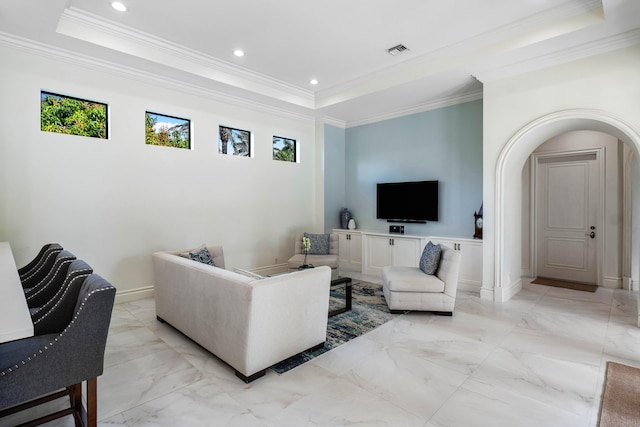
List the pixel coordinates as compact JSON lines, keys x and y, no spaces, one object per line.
{"x":592,"y":235}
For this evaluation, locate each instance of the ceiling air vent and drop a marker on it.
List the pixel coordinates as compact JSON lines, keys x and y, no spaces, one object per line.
{"x":397,"y":49}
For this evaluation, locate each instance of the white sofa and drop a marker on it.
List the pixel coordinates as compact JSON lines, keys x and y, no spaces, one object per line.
{"x":250,"y":324}
{"x":330,"y":259}
{"x":409,"y":288}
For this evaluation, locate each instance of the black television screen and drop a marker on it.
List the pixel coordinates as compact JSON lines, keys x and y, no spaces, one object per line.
{"x":415,"y":201}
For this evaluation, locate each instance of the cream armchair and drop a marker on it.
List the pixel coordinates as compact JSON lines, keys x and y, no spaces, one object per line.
{"x":330,"y":259}
{"x":409,"y":288}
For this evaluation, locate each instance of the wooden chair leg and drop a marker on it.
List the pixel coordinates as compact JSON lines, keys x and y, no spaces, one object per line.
{"x":82,"y":418}
{"x":75,"y":399}
{"x":92,"y":402}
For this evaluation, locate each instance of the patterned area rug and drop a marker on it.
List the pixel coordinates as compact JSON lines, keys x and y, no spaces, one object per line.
{"x":369,"y":310}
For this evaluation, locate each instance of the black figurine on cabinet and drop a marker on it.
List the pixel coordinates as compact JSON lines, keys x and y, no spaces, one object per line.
{"x":478,"y":222}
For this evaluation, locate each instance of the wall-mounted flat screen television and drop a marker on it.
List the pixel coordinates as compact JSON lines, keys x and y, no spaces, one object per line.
{"x":415,"y":201}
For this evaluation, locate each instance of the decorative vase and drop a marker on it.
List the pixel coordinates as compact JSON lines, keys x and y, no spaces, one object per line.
{"x":352,"y":224}
{"x":345,"y":216}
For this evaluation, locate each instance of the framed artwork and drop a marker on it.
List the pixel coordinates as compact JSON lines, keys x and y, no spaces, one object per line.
{"x":234,"y":142}
{"x":284,"y":149}
{"x":73,"y":116}
{"x":167,"y":131}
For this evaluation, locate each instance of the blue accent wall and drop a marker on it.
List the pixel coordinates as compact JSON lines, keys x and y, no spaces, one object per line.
{"x":334,"y":176}
{"x":443,"y":144}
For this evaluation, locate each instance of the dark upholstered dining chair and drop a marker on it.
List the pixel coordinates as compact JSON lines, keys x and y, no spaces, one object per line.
{"x":57,"y":311}
{"x":56,"y":364}
{"x":23,"y":270}
{"x":39,"y":271}
{"x":44,"y":290}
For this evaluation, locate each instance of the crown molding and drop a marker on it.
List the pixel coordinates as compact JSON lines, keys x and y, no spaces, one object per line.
{"x":333,"y":122}
{"x":433,"y":105}
{"x":584,"y":50}
{"x":74,"y":58}
{"x":508,"y":37}
{"x":92,"y":28}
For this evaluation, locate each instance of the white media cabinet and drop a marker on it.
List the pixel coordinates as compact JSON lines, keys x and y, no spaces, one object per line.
{"x":349,"y":250}
{"x":367,"y":252}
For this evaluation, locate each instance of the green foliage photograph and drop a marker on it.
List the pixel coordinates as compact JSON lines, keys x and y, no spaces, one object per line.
{"x":284,"y":149}
{"x":72,"y":116}
{"x":234,"y":142}
{"x":167,"y":131}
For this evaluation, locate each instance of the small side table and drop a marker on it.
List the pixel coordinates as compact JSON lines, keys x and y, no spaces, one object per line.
{"x":346,"y":282}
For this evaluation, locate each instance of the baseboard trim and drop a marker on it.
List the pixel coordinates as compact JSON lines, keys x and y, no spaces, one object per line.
{"x":612,"y":282}
{"x":470,"y":287}
{"x":505,"y":294}
{"x":487,"y":293}
{"x":134,"y":294}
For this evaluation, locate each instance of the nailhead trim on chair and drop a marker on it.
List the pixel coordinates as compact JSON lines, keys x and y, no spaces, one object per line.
{"x":53,"y":252}
{"x":31,"y":264}
{"x":62,"y":296}
{"x":46,"y":347}
{"x":65,"y":261}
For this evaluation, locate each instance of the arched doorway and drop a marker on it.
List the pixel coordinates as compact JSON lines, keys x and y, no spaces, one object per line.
{"x":508,"y":190}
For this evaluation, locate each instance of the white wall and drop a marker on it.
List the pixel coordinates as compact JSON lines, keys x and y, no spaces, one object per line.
{"x":444,"y":144}
{"x":635,"y":227}
{"x":611,"y":274}
{"x":114,"y":202}
{"x":599,"y":93}
{"x":334,"y":189}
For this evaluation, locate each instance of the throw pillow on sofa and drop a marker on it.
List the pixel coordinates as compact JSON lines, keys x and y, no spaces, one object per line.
{"x":185,"y":253}
{"x":319,"y":244}
{"x":430,"y":258}
{"x":200,"y":254}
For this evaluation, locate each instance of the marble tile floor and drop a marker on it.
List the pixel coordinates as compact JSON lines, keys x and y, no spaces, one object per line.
{"x":537,"y":360}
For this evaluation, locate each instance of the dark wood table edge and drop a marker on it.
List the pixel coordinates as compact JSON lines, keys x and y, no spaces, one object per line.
{"x":348,"y":295}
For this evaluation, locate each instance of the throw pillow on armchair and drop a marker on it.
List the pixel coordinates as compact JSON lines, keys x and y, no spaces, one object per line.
{"x":319,"y":243}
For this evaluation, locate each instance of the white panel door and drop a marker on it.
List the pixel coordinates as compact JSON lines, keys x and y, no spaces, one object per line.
{"x":567,"y":197}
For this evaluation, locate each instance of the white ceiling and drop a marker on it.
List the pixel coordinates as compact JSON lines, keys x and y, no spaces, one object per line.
{"x":342,"y":43}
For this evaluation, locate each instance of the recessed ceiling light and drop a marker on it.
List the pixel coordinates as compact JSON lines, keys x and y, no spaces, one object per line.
{"x":239,"y":53}
{"x":313,"y":82}
{"x":120,"y":7}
